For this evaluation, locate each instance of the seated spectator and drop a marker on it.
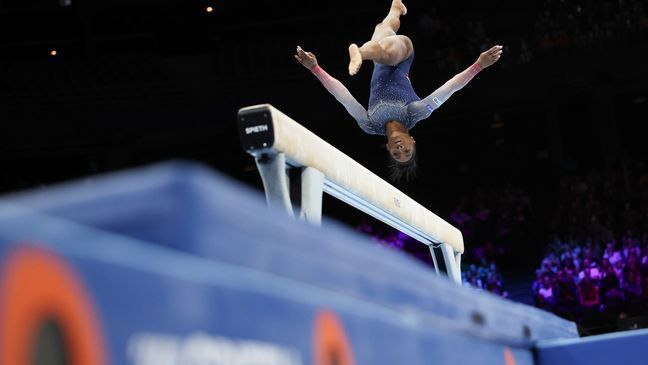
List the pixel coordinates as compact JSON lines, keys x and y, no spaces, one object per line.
{"x":589,"y":270}
{"x":588,"y":292}
{"x":612,"y":303}
{"x":565,"y":295}
{"x":614,"y":258}
{"x":605,"y":266}
{"x":609,"y":280}
{"x":545,"y":292}
{"x":568,"y":266}
{"x":632,"y":291}
{"x":644,"y":259}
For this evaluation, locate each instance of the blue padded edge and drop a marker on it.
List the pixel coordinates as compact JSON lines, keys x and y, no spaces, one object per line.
{"x":189,"y":208}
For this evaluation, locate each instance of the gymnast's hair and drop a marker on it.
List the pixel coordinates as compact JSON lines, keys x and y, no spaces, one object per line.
{"x":403,"y":171}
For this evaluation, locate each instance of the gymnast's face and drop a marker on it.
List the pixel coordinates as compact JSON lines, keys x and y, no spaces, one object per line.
{"x":401,"y":146}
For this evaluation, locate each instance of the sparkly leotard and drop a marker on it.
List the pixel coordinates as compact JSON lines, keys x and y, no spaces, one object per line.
{"x":392,"y":96}
{"x":391,"y":92}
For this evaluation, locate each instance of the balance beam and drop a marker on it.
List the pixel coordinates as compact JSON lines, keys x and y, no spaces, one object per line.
{"x":278,"y":143}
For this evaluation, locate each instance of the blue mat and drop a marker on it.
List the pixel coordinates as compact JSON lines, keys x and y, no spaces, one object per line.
{"x":175,"y":256}
{"x":613,"y":348}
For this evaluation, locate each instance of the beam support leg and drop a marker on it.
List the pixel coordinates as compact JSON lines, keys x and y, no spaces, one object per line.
{"x":312,"y":189}
{"x":272,"y":169}
{"x":451,"y":261}
{"x":434,"y":259}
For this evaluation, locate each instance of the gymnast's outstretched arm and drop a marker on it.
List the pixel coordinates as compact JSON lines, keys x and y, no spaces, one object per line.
{"x":335,"y":87}
{"x":422,"y":109}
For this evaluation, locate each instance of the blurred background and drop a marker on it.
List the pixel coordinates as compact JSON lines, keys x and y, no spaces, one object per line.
{"x":540,"y":160}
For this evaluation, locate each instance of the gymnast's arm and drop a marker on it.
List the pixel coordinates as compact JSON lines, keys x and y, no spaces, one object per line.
{"x":422,"y":109}
{"x":335,"y":87}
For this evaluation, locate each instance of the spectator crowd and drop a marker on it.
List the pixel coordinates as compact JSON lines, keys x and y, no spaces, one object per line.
{"x":597,"y":262}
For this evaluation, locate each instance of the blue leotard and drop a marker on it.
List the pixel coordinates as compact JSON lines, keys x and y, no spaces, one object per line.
{"x":392,"y":96}
{"x":391,"y":92}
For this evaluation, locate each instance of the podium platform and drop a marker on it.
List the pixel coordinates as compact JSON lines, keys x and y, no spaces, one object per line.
{"x":177,"y":264}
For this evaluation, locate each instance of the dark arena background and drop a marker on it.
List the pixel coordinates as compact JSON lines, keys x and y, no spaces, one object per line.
{"x":540,"y":162}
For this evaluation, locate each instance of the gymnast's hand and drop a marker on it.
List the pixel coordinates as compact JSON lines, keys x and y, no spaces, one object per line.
{"x":307,"y":59}
{"x":489,"y":57}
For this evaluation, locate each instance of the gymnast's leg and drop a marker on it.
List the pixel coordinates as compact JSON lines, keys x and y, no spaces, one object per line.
{"x":385,"y":46}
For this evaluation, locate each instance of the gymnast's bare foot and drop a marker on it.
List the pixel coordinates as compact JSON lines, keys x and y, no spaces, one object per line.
{"x":356,"y":59}
{"x":400,"y":6}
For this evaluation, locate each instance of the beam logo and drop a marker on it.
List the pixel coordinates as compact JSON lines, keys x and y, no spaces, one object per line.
{"x":256,"y":129}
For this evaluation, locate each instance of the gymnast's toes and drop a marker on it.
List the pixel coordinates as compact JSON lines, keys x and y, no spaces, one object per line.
{"x":399,"y":4}
{"x":355,"y":59}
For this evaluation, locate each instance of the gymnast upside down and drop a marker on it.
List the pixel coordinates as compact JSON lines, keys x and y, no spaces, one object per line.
{"x":394,"y":107}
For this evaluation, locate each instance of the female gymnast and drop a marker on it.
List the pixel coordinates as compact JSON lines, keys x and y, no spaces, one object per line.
{"x":394,"y":107}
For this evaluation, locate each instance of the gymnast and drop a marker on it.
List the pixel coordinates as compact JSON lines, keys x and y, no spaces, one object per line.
{"x":394,"y":107}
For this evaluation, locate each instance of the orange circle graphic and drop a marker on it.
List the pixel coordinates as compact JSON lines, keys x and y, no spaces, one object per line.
{"x":509,"y":359}
{"x":332,"y":346}
{"x":35,"y":286}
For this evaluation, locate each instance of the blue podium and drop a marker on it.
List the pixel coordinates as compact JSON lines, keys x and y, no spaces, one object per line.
{"x":176,"y":264}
